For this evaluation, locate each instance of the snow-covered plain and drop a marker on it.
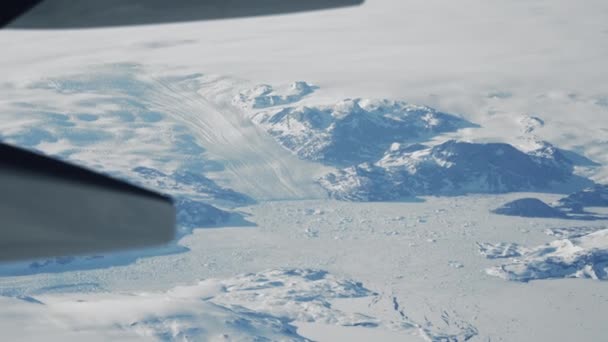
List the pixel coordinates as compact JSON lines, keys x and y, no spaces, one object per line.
{"x":213,"y":114}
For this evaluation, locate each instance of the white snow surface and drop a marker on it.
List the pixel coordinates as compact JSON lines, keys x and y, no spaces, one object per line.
{"x":500,"y":250}
{"x":250,"y":307}
{"x":581,"y":257}
{"x":177,"y":100}
{"x":258,"y":306}
{"x":264,"y":95}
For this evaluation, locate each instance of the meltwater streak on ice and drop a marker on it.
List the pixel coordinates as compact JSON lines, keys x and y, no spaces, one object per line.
{"x":253,"y":163}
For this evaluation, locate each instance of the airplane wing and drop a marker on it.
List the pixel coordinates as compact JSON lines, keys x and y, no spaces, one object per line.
{"x":61,"y":14}
{"x":52,"y":208}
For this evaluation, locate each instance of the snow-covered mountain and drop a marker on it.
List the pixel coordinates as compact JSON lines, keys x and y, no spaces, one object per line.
{"x":572,"y":206}
{"x":596,"y":196}
{"x":353,"y":130}
{"x":264,"y":95}
{"x":453,"y":168}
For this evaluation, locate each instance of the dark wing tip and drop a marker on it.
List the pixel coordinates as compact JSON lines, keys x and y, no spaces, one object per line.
{"x":24,"y":161}
{"x":66,"y":14}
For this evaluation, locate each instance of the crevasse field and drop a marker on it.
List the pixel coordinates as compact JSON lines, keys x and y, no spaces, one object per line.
{"x":399,"y":171}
